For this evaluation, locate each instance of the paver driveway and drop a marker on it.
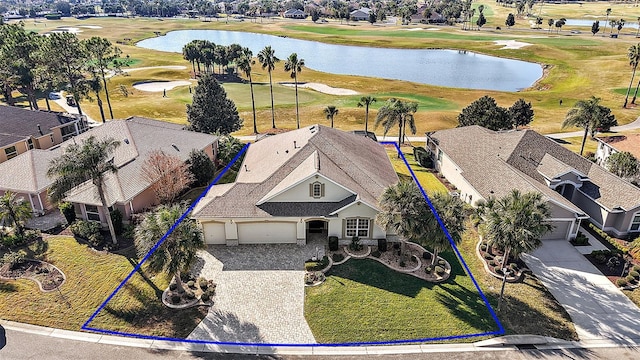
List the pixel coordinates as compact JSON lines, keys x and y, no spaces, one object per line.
{"x":599,"y":310}
{"x":260,"y":294}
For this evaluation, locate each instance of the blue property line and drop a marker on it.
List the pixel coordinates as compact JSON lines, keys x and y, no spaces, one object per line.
{"x":196,"y":341}
{"x":446,"y":232}
{"x":155,"y":247}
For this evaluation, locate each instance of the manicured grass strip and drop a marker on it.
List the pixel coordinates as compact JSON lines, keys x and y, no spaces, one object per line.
{"x":91,"y":275}
{"x":363,"y":300}
{"x":430,"y":183}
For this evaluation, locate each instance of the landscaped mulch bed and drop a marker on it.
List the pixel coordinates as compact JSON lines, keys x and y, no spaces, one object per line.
{"x":47,"y":276}
{"x":614,"y":266}
{"x":492,"y":260}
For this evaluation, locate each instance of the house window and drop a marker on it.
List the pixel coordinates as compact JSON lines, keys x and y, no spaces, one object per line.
{"x":439,"y":155}
{"x":30,"y":143}
{"x":51,"y":137}
{"x":357,"y":227}
{"x":635,"y":223}
{"x":11,"y":152}
{"x":68,"y":131}
{"x":92,"y":212}
{"x":316,"y":190}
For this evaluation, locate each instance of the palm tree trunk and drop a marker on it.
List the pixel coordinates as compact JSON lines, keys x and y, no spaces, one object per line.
{"x":403,"y":250}
{"x":505,"y":258}
{"x":366,"y":119}
{"x":100,"y":107}
{"x":106,"y":93}
{"x":273,"y":114}
{"x":295,"y":79}
{"x":112,"y":231}
{"x":399,"y":132}
{"x":178,"y":280}
{"x":626,"y":98}
{"x":77,"y":99}
{"x":435,"y":256}
{"x":253,"y":106}
{"x":584,"y":139}
{"x":46,"y":100}
{"x":633,"y":101}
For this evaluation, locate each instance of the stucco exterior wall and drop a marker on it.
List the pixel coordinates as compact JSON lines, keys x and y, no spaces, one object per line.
{"x":452,"y":173}
{"x":301,"y":192}
{"x":21,"y":147}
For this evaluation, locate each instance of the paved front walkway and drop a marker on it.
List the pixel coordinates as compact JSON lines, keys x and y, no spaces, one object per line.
{"x":259,"y":296}
{"x":599,"y":310}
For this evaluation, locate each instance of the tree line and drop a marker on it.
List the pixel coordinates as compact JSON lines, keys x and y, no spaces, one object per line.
{"x":36,"y":65}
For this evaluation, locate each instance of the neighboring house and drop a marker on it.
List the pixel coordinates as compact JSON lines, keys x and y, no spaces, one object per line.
{"x":289,"y":186}
{"x":433,"y":18}
{"x":482,"y":163}
{"x":361,"y":14}
{"x":127,"y":190}
{"x":294,"y":14}
{"x":608,"y":145}
{"x":22,"y":130}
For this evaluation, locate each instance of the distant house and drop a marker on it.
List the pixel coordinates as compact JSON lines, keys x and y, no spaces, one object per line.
{"x":482,"y":163}
{"x":608,"y":145}
{"x":22,"y":130}
{"x":433,"y":18}
{"x":291,"y":186}
{"x":126,"y":190}
{"x":294,"y":14}
{"x":361,"y":14}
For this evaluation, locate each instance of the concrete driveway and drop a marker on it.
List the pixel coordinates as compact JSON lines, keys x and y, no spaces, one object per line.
{"x":599,"y":310}
{"x":259,"y":295}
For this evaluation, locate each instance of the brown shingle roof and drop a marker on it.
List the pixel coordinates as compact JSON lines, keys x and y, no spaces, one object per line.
{"x":19,"y":124}
{"x":355,"y":162}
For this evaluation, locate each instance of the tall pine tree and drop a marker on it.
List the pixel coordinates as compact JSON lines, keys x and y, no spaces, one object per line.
{"x":211,"y":110}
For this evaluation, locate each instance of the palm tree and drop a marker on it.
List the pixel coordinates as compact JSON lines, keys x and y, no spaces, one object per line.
{"x":88,"y":161}
{"x":638,"y":29}
{"x":365,"y":102}
{"x":585,"y":114}
{"x":330,"y":111}
{"x":96,"y":86}
{"x":294,"y":65}
{"x":177,"y":252}
{"x":190,"y":53}
{"x":403,"y":211}
{"x":634,"y":58}
{"x":103,"y":55}
{"x":398,"y":112}
{"x":14,"y":211}
{"x":450,"y":210}
{"x":268,"y":59}
{"x":515,"y":222}
{"x":244,"y":64}
{"x":607,"y":20}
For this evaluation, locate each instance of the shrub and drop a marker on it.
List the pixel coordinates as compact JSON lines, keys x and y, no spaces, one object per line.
{"x":621,"y":282}
{"x":442,"y":262}
{"x":211,"y":290}
{"x":190,"y":295}
{"x":376,"y":254}
{"x":423,"y":157}
{"x":483,"y":247}
{"x":355,"y":244}
{"x":201,"y":166}
{"x":635,"y":274}
{"x":630,"y":278}
{"x":382,"y":245}
{"x":14,"y":258}
{"x":396,"y":246}
{"x":402,"y":264}
{"x":609,"y":239}
{"x":310,"y":266}
{"x":492,"y":263}
{"x":204,"y":284}
{"x":426,"y":255}
{"x":581,"y":239}
{"x":333,"y":243}
{"x":440,"y":270}
{"x":173,"y":286}
{"x":68,"y":211}
{"x":191,"y":284}
{"x":175,"y":298}
{"x":428,"y":269}
{"x":488,"y":256}
{"x":337,"y":257}
{"x":116,"y":219}
{"x":513,"y":266}
{"x":205,"y":297}
{"x":636,"y":268}
{"x":88,"y":230}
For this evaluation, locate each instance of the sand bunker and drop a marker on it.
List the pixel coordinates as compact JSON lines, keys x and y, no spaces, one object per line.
{"x":90,"y":26}
{"x":69,"y":29}
{"x":511,"y":44}
{"x":325,"y":89}
{"x":159,"y":86}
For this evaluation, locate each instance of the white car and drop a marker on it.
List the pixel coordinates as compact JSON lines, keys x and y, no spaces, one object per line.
{"x":54,"y":95}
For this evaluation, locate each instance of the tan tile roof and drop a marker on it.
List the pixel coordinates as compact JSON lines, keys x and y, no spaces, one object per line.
{"x":496,"y":162}
{"x":355,"y":162}
{"x":27,"y":172}
{"x":630,"y":143}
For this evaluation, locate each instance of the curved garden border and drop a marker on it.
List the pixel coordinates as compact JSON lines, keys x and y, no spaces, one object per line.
{"x":194,"y":303}
{"x":512,"y":279}
{"x":64,"y":277}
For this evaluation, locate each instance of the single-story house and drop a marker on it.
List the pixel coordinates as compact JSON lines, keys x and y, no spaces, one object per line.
{"x":22,"y":130}
{"x":127,"y":190}
{"x":361,"y":14}
{"x":294,"y":14}
{"x":482,"y":163}
{"x":608,"y":145}
{"x":292,"y":185}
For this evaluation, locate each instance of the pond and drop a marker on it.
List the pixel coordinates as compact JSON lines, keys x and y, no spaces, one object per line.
{"x":603,"y":23}
{"x":453,"y":68}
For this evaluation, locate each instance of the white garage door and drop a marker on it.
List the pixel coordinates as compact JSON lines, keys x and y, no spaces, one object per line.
{"x":267,"y":233}
{"x":214,"y":233}
{"x":560,"y":232}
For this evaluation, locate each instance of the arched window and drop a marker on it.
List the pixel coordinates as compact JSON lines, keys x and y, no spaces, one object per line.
{"x":316,"y":190}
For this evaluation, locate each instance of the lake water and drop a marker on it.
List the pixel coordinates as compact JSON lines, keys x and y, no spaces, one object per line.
{"x":603,"y":23}
{"x":460,"y":69}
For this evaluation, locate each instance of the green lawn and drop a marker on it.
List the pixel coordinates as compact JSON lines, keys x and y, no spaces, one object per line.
{"x":430,"y":183}
{"x":363,"y":300}
{"x":90,"y":277}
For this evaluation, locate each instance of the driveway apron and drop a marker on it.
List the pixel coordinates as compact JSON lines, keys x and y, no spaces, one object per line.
{"x":259,"y":295}
{"x":599,"y":310}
